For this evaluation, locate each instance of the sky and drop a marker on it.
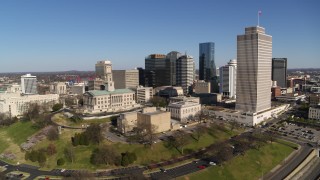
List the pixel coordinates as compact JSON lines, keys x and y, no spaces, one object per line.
{"x":60,"y":35}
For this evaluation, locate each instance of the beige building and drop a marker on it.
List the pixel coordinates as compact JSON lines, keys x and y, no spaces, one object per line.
{"x":160,"y":120}
{"x":126,"y":79}
{"x":254,"y":54}
{"x":78,"y":88}
{"x":149,"y":117}
{"x":127,"y":121}
{"x":314,"y":113}
{"x":201,"y":86}
{"x":16,"y":104}
{"x":184,"y":110}
{"x":184,"y":98}
{"x":95,"y":84}
{"x":109,"y":101}
{"x":58,"y":88}
{"x":144,"y":94}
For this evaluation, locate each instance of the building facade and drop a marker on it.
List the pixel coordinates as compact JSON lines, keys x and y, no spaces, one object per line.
{"x":127,"y":121}
{"x":185,"y":72}
{"x":144,"y":94}
{"x":184,"y":110}
{"x":142,"y":80}
{"x":254,"y":54}
{"x":109,"y":101}
{"x":228,"y":79}
{"x":126,"y":79}
{"x":58,"y":88}
{"x":314,"y":113}
{"x":279,"y":71}
{"x":201,"y":86}
{"x":159,"y":121}
{"x":207,"y":67}
{"x":29,"y":84}
{"x":16,"y":104}
{"x":78,"y":88}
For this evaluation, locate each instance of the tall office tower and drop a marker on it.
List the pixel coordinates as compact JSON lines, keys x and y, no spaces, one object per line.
{"x":279,"y":71}
{"x":254,"y":53}
{"x":228,"y":79}
{"x":185,"y":72}
{"x":207,"y":67}
{"x":142,"y":81}
{"x":171,"y":60}
{"x":29,"y":84}
{"x":156,"y":72}
{"x":104,"y":71}
{"x":126,"y":79}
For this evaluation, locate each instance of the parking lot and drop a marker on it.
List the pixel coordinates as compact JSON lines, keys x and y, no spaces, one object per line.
{"x":299,"y":132}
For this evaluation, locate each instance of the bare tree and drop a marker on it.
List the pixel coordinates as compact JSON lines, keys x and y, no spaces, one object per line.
{"x":69,"y":153}
{"x":179,"y":140}
{"x":199,"y":131}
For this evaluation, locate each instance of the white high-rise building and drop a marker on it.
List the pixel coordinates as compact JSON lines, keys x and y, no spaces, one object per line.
{"x":104,"y":71}
{"x":254,"y":54}
{"x":185,"y":72}
{"x":29,"y":84}
{"x":228,"y":79}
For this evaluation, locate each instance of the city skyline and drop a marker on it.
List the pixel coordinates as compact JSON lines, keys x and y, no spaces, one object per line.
{"x":58,"y":36}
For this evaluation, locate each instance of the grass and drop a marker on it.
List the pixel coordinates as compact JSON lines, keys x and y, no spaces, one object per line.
{"x":20,"y":131}
{"x":11,"y":137}
{"x":158,"y":152}
{"x":62,"y":120}
{"x":250,"y":166}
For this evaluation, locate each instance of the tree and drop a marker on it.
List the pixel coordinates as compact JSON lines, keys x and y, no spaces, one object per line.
{"x":6,"y":119}
{"x":80,"y":175}
{"x":53,"y":134}
{"x":199,"y":131}
{"x":42,"y":158}
{"x":32,"y":112}
{"x":60,"y":162}
{"x":225,"y":153}
{"x":158,"y":101}
{"x":234,"y":124}
{"x":105,"y":154}
{"x":150,"y":133}
{"x":94,"y":133}
{"x":57,"y":107}
{"x":70,"y":101}
{"x":69,"y":153}
{"x":201,"y":115}
{"x":51,"y":149}
{"x":178,"y":141}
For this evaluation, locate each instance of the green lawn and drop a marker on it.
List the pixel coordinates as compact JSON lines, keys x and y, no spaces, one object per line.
{"x":62,"y":120}
{"x":250,"y":166}
{"x":20,"y":131}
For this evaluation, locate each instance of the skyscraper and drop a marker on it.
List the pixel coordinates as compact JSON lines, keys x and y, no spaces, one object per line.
{"x":29,"y":84}
{"x":160,"y":69}
{"x":207,"y":67}
{"x":279,"y":71}
{"x":228,"y":79}
{"x":254,"y":53}
{"x":185,"y":72}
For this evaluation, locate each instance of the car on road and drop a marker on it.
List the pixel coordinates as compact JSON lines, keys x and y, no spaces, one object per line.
{"x":163,"y":170}
{"x":201,"y":167}
{"x":212,"y":163}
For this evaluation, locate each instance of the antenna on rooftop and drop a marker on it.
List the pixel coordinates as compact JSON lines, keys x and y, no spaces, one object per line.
{"x":259,"y":14}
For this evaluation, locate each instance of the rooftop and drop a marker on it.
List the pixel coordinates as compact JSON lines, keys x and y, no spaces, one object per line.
{"x":104,"y":92}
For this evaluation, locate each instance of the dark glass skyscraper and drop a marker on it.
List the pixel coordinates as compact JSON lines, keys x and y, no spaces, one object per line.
{"x":207,"y":67}
{"x":279,"y":71}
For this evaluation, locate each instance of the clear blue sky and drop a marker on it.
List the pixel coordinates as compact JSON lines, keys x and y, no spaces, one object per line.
{"x":57,"y":35}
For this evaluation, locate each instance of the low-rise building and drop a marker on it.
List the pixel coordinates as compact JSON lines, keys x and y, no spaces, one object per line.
{"x":144,"y":94}
{"x":78,"y":88}
{"x":159,"y":120}
{"x":184,"y":98}
{"x":95,"y":84}
{"x":16,"y":104}
{"x":127,"y":121}
{"x":314,"y":99}
{"x":184,"y":110}
{"x":201,"y":86}
{"x":58,"y":88}
{"x":150,"y":117}
{"x":314,"y":113}
{"x":109,"y":101}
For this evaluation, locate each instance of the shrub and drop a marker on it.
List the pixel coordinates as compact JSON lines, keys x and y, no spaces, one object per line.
{"x":60,"y":162}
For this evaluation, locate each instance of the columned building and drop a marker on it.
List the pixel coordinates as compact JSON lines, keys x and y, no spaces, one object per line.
{"x":228,"y":79}
{"x":279,"y":71}
{"x":254,"y":54}
{"x":185,"y":72}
